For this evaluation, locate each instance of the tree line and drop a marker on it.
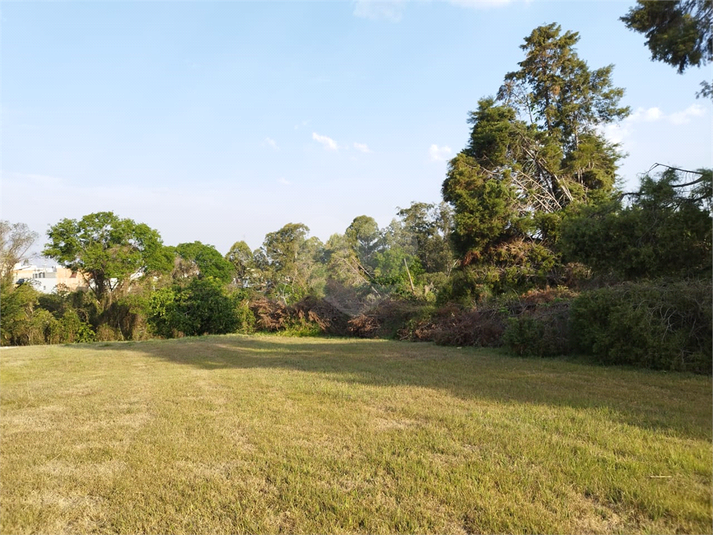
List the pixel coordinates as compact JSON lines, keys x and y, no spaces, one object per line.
{"x":532,"y":225}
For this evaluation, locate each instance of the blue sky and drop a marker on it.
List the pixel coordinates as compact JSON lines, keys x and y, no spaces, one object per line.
{"x":223,"y":121}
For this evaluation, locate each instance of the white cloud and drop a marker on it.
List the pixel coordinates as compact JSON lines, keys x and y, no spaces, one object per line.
{"x":272,"y":143}
{"x":361,"y":147}
{"x":282,"y":180}
{"x":328,"y":142}
{"x":685,"y":116}
{"x":645,"y":115}
{"x":379,"y":10}
{"x":618,"y":133}
{"x":439,"y":154}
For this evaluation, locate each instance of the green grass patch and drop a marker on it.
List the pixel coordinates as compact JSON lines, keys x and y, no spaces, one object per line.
{"x":238,"y":434}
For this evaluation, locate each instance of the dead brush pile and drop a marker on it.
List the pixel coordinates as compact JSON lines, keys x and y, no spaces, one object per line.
{"x":388,"y":319}
{"x":274,"y":316}
{"x":453,"y":325}
{"x":321,"y":313}
{"x":518,"y":323}
{"x":270,"y":315}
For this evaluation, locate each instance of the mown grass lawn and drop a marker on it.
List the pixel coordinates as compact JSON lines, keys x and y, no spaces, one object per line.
{"x":233,"y":434}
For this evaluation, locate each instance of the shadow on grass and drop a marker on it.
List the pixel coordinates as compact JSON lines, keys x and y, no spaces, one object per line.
{"x":678,"y":403}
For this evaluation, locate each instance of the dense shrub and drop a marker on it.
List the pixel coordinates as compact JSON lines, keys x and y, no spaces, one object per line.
{"x":200,"y":307}
{"x":543,"y":332}
{"x":126,"y":317}
{"x":660,"y":325}
{"x":16,"y":309}
{"x":26,"y":322}
{"x":73,"y":329}
{"x":323,"y":316}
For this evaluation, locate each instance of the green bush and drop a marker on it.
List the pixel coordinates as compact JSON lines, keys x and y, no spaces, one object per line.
{"x":200,"y":307}
{"x":16,"y":310}
{"x":657,"y":324}
{"x":73,"y":329}
{"x":543,"y":333}
{"x":245,"y":316}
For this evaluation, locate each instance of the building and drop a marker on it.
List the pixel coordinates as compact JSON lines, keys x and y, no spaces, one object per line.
{"x":48,"y":279}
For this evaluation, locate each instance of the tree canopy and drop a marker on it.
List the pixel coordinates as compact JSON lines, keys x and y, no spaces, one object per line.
{"x":15,"y":240}
{"x":108,"y":251}
{"x":202,"y":261}
{"x":678,"y":32}
{"x":534,"y":150}
{"x":665,"y":230}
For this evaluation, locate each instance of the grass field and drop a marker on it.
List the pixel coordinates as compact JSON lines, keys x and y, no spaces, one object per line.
{"x":233,"y":434}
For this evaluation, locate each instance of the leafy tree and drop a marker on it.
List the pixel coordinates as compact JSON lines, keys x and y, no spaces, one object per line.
{"x":428,"y":229}
{"x":288,"y":260}
{"x":533,"y":151}
{"x":15,"y":240}
{"x":678,"y":32}
{"x":108,"y":251}
{"x":342,"y":262}
{"x":665,"y":231}
{"x":199,"y":260}
{"x":241,"y":258}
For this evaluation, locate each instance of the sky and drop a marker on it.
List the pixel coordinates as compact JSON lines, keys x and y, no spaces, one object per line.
{"x":223,"y":121}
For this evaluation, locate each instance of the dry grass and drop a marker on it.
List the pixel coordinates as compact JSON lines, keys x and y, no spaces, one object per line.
{"x":237,"y":434}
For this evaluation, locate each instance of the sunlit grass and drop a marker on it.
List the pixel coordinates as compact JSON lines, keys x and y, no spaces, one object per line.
{"x":236,"y":434}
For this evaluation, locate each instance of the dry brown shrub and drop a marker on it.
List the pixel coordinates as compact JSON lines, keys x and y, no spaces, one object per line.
{"x":269,"y":315}
{"x":478,"y":327}
{"x":325,"y":315}
{"x":388,"y":319}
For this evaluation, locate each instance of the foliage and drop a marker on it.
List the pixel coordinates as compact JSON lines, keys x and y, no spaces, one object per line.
{"x":678,"y":32}
{"x":16,"y":310}
{"x":427,"y":229}
{"x":290,"y":263}
{"x":199,"y":260}
{"x":533,"y":151}
{"x":26,"y":321}
{"x":542,"y":332}
{"x":365,"y":239}
{"x":200,"y":307}
{"x":74,"y":329}
{"x":656,"y":324}
{"x":110,"y":252}
{"x":241,"y":258}
{"x":15,"y":240}
{"x":665,"y":231}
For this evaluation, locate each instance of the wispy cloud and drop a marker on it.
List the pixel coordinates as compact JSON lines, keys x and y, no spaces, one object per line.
{"x":379,"y":10}
{"x":328,"y":142}
{"x":685,"y":116}
{"x":617,"y":133}
{"x":301,"y":125}
{"x":272,"y":143}
{"x":282,"y":180}
{"x":361,"y":147}
{"x":439,"y":154}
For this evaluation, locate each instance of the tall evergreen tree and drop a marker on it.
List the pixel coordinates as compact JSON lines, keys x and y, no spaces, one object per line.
{"x":533,"y":150}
